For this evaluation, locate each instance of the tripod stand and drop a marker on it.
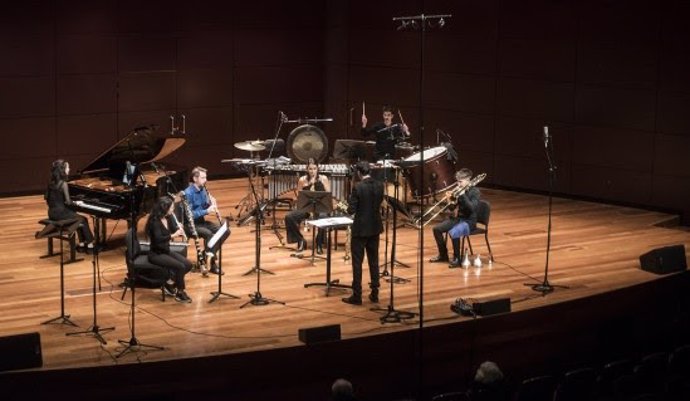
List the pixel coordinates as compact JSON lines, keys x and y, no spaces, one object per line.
{"x":63,"y":319}
{"x":133,"y":344}
{"x":256,"y":298}
{"x":94,"y":330}
{"x":217,"y":243}
{"x":545,"y":287}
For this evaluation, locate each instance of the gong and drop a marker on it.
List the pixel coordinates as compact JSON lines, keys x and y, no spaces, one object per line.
{"x":305,"y":142}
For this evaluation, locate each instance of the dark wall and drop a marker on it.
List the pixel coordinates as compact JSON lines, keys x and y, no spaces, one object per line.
{"x":610,"y":79}
{"x":78,"y":75}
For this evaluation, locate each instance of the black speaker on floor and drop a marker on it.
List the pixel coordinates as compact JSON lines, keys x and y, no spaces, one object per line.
{"x":320,"y":334}
{"x":664,"y":260}
{"x":22,"y":351}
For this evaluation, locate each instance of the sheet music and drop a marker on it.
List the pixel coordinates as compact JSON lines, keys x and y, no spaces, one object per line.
{"x":218,"y":235}
{"x":329,"y":222}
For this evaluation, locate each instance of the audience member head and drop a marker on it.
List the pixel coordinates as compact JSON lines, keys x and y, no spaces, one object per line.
{"x":341,"y":390}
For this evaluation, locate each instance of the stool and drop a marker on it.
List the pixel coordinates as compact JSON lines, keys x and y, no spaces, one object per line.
{"x":64,"y":230}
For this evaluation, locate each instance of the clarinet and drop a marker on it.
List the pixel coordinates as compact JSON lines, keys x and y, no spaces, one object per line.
{"x":200,"y":255}
{"x":220,"y":221}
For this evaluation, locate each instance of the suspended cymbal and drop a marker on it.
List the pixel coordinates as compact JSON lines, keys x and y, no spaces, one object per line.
{"x":251,"y":146}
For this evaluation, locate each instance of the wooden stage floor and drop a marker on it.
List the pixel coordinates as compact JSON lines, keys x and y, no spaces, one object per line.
{"x":595,"y":249}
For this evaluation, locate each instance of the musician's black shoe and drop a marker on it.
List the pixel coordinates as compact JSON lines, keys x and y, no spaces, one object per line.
{"x":352,"y":300}
{"x":170,"y":289}
{"x":439,"y":258}
{"x":182,"y":297}
{"x":215,"y":269}
{"x":301,"y":245}
{"x":455,"y":262}
{"x":374,"y":296}
{"x":319,"y":249}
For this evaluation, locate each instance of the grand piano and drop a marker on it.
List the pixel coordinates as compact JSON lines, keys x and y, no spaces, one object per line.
{"x":124,"y":181}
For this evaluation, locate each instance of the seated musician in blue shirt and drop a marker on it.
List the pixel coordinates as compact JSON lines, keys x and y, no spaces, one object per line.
{"x":202,"y":204}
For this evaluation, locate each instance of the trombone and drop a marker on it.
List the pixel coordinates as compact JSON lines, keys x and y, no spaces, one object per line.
{"x":450,"y":198}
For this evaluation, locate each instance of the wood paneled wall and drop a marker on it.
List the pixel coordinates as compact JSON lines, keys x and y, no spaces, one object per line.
{"x":77,"y":75}
{"x":609,"y":79}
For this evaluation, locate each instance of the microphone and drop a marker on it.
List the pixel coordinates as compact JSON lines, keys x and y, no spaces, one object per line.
{"x":546,"y":136}
{"x":388,"y":128}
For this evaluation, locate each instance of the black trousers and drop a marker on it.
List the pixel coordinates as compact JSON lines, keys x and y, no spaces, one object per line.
{"x":83,"y":232}
{"x":357,"y":247}
{"x":206,"y":230}
{"x":439,"y":230}
{"x":176,"y":264}
{"x":292,"y":221}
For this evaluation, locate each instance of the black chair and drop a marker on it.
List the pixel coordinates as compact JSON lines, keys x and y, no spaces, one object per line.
{"x":679,"y":361}
{"x":141,"y":272}
{"x":540,"y":388}
{"x":610,"y":373}
{"x":483,"y":216}
{"x":577,"y":385}
{"x":652,"y":370}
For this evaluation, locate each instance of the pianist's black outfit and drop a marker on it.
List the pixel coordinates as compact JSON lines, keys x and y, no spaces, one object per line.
{"x":57,"y":197}
{"x":160,"y":253}
{"x":295,"y":217}
{"x":386,"y":138}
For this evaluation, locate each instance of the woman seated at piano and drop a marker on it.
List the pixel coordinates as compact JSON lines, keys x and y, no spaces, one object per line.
{"x":312,"y":181}
{"x":58,"y":199}
{"x":161,"y":227}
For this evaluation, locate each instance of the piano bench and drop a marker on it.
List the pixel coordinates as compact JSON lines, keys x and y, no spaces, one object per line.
{"x":64,"y":230}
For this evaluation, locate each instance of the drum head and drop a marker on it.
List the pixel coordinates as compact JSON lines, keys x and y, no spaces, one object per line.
{"x":305,"y":142}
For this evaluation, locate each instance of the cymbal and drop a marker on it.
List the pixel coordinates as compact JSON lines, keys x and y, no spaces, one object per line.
{"x":251,"y":146}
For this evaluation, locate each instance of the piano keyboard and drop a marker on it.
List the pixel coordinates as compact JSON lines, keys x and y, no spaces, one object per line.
{"x":92,"y":207}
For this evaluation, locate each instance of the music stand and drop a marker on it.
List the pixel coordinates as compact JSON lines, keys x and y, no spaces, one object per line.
{"x":329,"y":224}
{"x":316,"y":203}
{"x":350,"y":150}
{"x":215,"y":246}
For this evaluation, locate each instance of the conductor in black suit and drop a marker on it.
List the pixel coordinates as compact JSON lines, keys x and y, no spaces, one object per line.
{"x":365,"y":204}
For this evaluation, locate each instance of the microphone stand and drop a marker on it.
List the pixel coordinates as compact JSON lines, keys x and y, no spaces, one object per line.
{"x":545,"y":287}
{"x":256,"y":298}
{"x":94,"y":330}
{"x":133,"y":344}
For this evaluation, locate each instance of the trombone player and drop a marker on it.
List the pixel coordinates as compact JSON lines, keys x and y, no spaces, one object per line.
{"x":461,"y":222}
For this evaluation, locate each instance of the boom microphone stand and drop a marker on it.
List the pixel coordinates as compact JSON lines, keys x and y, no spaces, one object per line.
{"x":94,"y":330}
{"x":545,"y":287}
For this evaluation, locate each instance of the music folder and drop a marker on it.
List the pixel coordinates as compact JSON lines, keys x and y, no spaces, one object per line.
{"x":219,"y":237}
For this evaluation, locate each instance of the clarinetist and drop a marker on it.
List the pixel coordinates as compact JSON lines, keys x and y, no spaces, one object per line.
{"x":202,"y":205}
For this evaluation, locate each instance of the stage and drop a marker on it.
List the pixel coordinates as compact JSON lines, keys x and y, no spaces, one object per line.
{"x":594,"y":253}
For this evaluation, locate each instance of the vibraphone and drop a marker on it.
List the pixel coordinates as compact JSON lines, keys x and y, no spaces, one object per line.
{"x":282,"y":179}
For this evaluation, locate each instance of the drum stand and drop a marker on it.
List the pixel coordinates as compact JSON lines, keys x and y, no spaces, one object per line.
{"x":249,"y":201}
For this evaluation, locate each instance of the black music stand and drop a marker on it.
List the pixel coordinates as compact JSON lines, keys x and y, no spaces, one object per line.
{"x":350,"y":150}
{"x":316,"y":203}
{"x":329,"y":225}
{"x":215,"y":245}
{"x":94,"y":330}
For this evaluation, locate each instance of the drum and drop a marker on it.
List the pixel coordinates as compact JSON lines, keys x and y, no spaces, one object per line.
{"x":439,"y":172}
{"x":403,"y":150}
{"x":307,"y":142}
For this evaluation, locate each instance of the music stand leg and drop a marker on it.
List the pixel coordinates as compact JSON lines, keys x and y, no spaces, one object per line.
{"x":329,"y":283}
{"x":216,"y":294}
{"x":62,"y":319}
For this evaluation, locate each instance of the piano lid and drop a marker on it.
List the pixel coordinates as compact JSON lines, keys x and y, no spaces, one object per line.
{"x":138,"y":147}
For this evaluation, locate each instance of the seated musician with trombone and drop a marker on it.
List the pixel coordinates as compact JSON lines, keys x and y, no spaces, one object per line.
{"x":464,"y":197}
{"x":312,"y":181}
{"x":201,"y":204}
{"x":161,"y":227}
